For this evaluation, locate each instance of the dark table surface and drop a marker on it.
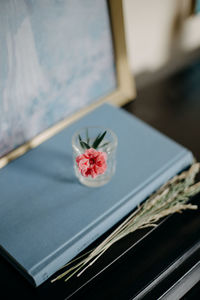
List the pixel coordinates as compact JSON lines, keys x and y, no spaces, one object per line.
{"x":163,"y":262}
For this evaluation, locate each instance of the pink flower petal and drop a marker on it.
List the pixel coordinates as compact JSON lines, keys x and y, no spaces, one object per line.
{"x":92,"y":163}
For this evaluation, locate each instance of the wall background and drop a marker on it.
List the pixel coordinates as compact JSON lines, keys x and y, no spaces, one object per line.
{"x":159,"y":32}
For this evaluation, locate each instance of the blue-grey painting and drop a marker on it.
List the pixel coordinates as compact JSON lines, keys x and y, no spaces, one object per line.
{"x":56,"y":56}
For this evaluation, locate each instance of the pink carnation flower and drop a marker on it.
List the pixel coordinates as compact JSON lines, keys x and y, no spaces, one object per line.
{"x":92,"y":163}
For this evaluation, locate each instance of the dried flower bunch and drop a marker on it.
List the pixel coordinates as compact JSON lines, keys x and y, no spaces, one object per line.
{"x":170,"y":198}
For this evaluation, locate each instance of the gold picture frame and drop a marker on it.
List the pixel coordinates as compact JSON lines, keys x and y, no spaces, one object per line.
{"x":124,"y":92}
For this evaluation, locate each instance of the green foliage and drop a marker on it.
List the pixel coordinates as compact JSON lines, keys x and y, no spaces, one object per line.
{"x":95,"y":144}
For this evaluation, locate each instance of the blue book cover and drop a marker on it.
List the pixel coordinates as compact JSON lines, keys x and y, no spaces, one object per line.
{"x":47,"y":217}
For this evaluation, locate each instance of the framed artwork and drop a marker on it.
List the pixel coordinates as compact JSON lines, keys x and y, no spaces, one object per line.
{"x":59,"y":60}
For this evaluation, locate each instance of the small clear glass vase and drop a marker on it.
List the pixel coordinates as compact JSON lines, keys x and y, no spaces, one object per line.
{"x":96,"y":167}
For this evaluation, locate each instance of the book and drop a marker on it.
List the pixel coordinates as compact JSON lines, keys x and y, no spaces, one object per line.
{"x":47,"y":217}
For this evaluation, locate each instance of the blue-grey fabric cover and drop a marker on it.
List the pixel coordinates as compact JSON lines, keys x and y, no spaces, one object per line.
{"x":47,"y":217}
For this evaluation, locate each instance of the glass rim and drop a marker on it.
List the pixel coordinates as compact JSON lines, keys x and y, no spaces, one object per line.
{"x":77,"y":132}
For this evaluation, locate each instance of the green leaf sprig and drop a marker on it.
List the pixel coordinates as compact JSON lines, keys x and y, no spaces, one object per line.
{"x":86,"y":144}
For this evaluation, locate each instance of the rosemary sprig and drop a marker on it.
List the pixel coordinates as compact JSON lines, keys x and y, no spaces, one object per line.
{"x":98,"y":140}
{"x":95,"y":144}
{"x":171,"y":198}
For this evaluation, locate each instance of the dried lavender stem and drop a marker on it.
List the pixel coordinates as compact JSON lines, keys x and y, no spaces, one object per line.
{"x":170,"y":198}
